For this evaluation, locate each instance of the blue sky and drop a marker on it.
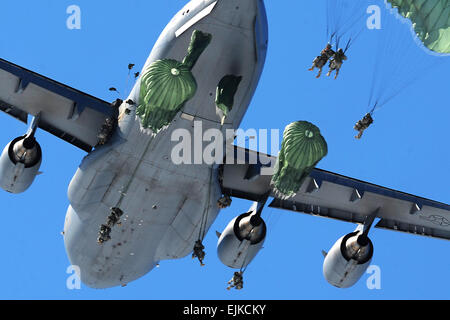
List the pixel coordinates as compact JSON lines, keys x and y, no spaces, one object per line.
{"x":406,"y":149}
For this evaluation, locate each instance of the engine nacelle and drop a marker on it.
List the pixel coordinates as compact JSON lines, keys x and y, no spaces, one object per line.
{"x":241,"y":240}
{"x":19,"y":164}
{"x":348,"y":260}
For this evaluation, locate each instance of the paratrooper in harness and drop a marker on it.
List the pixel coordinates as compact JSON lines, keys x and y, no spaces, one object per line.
{"x":320,"y":61}
{"x":199,"y":252}
{"x":363,"y":124}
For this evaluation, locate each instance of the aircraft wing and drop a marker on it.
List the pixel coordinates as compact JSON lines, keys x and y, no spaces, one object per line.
{"x":65,"y":112}
{"x":331,"y":195}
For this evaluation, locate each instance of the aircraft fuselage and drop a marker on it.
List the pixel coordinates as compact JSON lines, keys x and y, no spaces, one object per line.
{"x":163,"y":203}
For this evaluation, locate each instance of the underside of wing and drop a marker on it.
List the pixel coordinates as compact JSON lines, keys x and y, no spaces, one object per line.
{"x":65,"y":112}
{"x":248,"y":174}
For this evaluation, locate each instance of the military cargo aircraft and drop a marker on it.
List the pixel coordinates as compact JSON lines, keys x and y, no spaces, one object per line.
{"x":132,"y":207}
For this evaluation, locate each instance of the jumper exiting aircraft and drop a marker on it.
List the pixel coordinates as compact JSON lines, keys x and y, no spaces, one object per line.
{"x":132,"y":207}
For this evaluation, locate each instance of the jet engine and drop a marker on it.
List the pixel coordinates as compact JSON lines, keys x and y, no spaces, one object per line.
{"x":19,"y":164}
{"x":242,"y":239}
{"x":348,"y":260}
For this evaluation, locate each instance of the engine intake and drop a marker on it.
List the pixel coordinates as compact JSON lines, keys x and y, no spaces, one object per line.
{"x":241,"y":240}
{"x":19,"y":164}
{"x":348,"y":260}
{"x":250,"y":227}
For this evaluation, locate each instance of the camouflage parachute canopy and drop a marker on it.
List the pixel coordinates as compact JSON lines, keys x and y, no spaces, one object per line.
{"x":430,"y":19}
{"x":166,"y":85}
{"x":302,"y":148}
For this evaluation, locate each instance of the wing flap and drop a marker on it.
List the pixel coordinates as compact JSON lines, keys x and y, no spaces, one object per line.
{"x":65,"y":112}
{"x":330,"y":195}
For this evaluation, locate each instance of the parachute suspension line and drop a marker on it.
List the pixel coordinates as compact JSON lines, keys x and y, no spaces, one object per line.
{"x":417,"y":75}
{"x":382,"y":48}
{"x":334,"y":7}
{"x":352,"y":40}
{"x":399,"y":62}
{"x":198,"y":250}
{"x":329,"y":20}
{"x":421,"y":65}
{"x":332,"y":24}
{"x":242,"y":269}
{"x":116,"y":211}
{"x":331,"y":37}
{"x":348,"y":45}
{"x":338,"y":39}
{"x":328,"y":24}
{"x":387,"y":50}
{"x":204,"y":221}
{"x":353,"y":23}
{"x":127,"y":186}
{"x":341,"y":18}
{"x":373,"y":109}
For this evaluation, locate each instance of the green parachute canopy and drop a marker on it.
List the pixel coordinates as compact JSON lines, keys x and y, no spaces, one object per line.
{"x":225,"y":92}
{"x":430,"y":19}
{"x":167,"y":84}
{"x":302,"y":148}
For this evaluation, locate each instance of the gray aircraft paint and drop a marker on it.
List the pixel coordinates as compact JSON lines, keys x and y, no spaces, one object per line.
{"x":162,"y":202}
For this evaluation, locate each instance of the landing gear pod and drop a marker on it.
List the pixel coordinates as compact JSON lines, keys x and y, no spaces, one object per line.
{"x":241,"y":240}
{"x":19,"y":164}
{"x":348,"y":260}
